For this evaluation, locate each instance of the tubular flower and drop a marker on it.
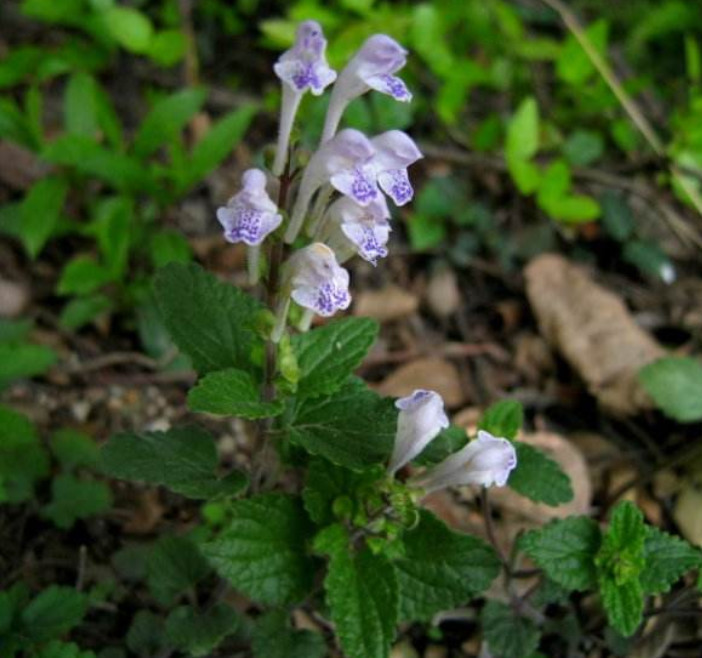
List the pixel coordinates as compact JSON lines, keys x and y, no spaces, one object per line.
{"x":372,"y":67}
{"x":485,"y":461}
{"x":345,"y":162}
{"x":421,"y":418}
{"x":395,"y":151}
{"x":317,"y":281}
{"x":302,"y":67}
{"x":351,"y":228}
{"x":250,"y":215}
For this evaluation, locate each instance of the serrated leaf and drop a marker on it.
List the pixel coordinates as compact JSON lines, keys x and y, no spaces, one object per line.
{"x":40,"y":211}
{"x":675,"y":384}
{"x":441,"y":569}
{"x":362,"y":593}
{"x":539,"y":478}
{"x":73,"y":499}
{"x":274,"y":638}
{"x":328,"y":355}
{"x":507,"y":634}
{"x":231,"y":392}
{"x":182,"y":459}
{"x":54,"y":612}
{"x":503,"y":419}
{"x":621,"y":555}
{"x":210,"y":321}
{"x":173,"y":565}
{"x":667,"y":558}
{"x":146,"y":634}
{"x":166,"y":119}
{"x":623,"y":604}
{"x":73,"y":448}
{"x":262,"y":551}
{"x":566,"y":549}
{"x":198,"y":633}
{"x":23,"y":459}
{"x":354,"y":428}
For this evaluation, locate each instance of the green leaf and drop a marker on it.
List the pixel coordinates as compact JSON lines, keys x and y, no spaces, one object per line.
{"x":448,"y":441}
{"x":113,"y":229}
{"x":57,"y":649}
{"x":14,"y":331}
{"x":262,"y":551}
{"x":554,"y":185}
{"x":566,"y":549}
{"x":525,"y":174}
{"x":362,"y":593}
{"x":73,"y":449}
{"x":231,"y":392}
{"x":539,"y":477}
{"x":78,"y":312}
{"x":40,"y":212}
{"x":173,"y":565}
{"x":426,"y":232}
{"x":168,"y":47}
{"x":23,"y":460}
{"x":667,"y":558}
{"x":574,"y":66}
{"x":441,"y":569}
{"x":212,"y":322}
{"x":20,"y":361}
{"x":181,"y":459}
{"x":217,"y":144}
{"x":621,"y":555}
{"x":117,"y":169}
{"x":522,"y":141}
{"x":130,"y":28}
{"x":503,"y":419}
{"x":649,"y":258}
{"x":146,"y":634}
{"x":169,"y":246}
{"x":617,"y":218}
{"x":328,"y":355}
{"x":507,"y":634}
{"x":573,"y":209}
{"x":354,"y":428}
{"x":81,"y":276}
{"x":274,"y":638}
{"x":80,"y":110}
{"x":73,"y":499}
{"x":623,"y":604}
{"x":675,"y":384}
{"x":166,"y":120}
{"x":198,"y":633}
{"x":583,"y":148}
{"x":53,"y":612}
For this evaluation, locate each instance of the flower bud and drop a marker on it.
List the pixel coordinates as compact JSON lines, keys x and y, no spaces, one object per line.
{"x":421,"y":418}
{"x":395,"y":151}
{"x":485,"y":461}
{"x":371,"y":68}
{"x":250,"y":215}
{"x":316,"y":280}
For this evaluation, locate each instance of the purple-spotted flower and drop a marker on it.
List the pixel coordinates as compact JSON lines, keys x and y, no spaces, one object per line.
{"x":372,"y":67}
{"x":352,"y":229}
{"x":346,"y":163}
{"x":485,"y":461}
{"x":250,"y":215}
{"x":395,"y":151}
{"x":317,"y":281}
{"x":421,"y":418}
{"x":303,"y":67}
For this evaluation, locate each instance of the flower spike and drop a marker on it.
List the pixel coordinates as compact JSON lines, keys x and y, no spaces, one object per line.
{"x":420,"y":420}
{"x":372,"y":67}
{"x":303,"y":67}
{"x":486,"y":461}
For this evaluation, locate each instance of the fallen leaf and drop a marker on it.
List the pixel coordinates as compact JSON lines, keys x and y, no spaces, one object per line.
{"x":431,"y":373}
{"x":442,"y":294}
{"x":687,"y":513}
{"x":389,"y":303}
{"x":593,"y":330}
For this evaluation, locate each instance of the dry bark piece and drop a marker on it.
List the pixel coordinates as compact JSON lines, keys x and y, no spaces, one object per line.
{"x":593,"y":330}
{"x":430,"y":373}
{"x":389,"y":303}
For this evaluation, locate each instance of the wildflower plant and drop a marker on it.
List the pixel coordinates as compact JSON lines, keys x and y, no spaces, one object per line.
{"x":329,"y":514}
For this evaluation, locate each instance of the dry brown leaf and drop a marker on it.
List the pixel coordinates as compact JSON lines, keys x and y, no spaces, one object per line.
{"x":573,"y":464}
{"x":442,"y":293}
{"x":14,"y":298}
{"x":389,"y":303}
{"x":687,"y":513}
{"x":147,"y":513}
{"x":431,"y":373}
{"x":593,"y":330}
{"x":19,"y":167}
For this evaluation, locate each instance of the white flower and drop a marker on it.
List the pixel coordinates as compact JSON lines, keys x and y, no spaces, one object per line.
{"x":350,"y":228}
{"x":421,"y":418}
{"x":345,"y":162}
{"x":317,"y":282}
{"x":250,"y":215}
{"x":395,"y":151}
{"x":485,"y":461}
{"x":305,"y":66}
{"x":372,"y":67}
